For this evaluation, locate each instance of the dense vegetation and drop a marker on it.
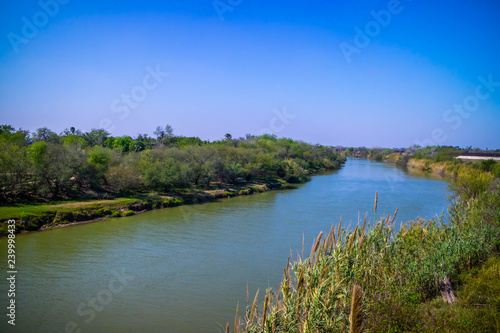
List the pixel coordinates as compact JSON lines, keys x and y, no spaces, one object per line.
{"x":399,"y":279}
{"x":43,"y":165}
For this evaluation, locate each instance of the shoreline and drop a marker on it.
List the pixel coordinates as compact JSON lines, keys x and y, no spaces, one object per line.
{"x":141,"y":206}
{"x":63,"y":225}
{"x":81,"y":215}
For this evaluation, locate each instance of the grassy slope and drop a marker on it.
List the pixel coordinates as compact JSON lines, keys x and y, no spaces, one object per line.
{"x":41,"y":216}
{"x":20,"y":211}
{"x":477,"y":309}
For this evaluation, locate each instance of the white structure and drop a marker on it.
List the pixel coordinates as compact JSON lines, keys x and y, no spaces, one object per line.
{"x":478,"y":158}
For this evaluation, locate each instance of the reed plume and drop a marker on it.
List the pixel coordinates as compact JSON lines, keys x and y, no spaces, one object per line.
{"x":254,"y":306}
{"x":236,"y":326}
{"x":356,"y":316}
{"x":266,"y":302}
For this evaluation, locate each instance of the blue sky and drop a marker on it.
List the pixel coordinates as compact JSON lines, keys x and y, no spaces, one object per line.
{"x":259,"y":66}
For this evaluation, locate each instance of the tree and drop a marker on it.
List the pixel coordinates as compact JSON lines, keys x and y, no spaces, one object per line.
{"x":15,"y":169}
{"x":71,"y":131}
{"x":96,"y":137}
{"x":161,"y":132}
{"x":167,"y":174}
{"x":6,"y":129}
{"x":45,"y":134}
{"x":109,"y":142}
{"x":294,"y":173}
{"x":9,"y":134}
{"x":123,"y":178}
{"x":169,"y":130}
{"x":123,"y":142}
{"x":83,"y":173}
{"x":74,"y":140}
{"x":200,"y":160}
{"x":51,"y":167}
{"x":100,"y":159}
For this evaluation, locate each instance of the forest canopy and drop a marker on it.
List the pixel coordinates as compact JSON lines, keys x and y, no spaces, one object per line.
{"x":44,"y":165}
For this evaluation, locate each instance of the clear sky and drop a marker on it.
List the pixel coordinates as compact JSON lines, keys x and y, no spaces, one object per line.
{"x":372,"y":73}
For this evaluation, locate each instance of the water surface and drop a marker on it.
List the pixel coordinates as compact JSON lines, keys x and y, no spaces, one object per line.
{"x":191,"y":264}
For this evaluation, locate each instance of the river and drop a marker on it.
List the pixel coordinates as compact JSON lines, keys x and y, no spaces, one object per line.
{"x":184,"y":269}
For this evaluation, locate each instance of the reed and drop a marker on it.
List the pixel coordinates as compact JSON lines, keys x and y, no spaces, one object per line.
{"x":266,"y":302}
{"x":236,"y":323}
{"x":390,"y":269}
{"x":356,"y":316}
{"x":254,"y":307}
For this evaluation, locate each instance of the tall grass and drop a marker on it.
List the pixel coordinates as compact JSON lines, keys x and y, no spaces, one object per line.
{"x":393,"y":270}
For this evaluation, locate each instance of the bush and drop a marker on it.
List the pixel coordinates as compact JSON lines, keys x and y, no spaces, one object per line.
{"x":123,"y":178}
{"x":471,"y":182}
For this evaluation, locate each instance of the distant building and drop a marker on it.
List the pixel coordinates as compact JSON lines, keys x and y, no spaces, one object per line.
{"x":479,"y":156}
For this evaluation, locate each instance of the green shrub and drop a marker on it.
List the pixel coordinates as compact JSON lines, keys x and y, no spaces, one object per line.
{"x":496,"y":170}
{"x":471,"y":182}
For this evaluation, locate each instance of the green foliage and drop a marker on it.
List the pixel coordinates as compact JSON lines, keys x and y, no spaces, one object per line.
{"x":109,"y":142}
{"x":439,"y":153}
{"x":478,"y":303}
{"x":486,"y":165}
{"x":75,"y":164}
{"x":99,"y":158}
{"x":124,"y":143}
{"x":496,"y":170}
{"x":482,"y":285}
{"x":96,"y":137}
{"x":376,"y":154}
{"x":123,"y":178}
{"x":470,"y":183}
{"x":8,"y":134}
{"x":294,"y":173}
{"x":74,"y":140}
{"x":45,"y":134}
{"x":167,"y":174}
{"x":15,"y":170}
{"x":399,"y":273}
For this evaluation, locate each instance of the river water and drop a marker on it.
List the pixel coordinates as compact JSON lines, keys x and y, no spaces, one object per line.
{"x":184,"y":269}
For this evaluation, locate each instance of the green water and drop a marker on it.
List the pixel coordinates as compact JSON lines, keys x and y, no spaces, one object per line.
{"x":190,"y":265}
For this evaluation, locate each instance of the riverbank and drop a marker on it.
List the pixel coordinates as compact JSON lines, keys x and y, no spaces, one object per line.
{"x":451,"y":169}
{"x":49,"y":216}
{"x":443,"y":161}
{"x":427,"y":276}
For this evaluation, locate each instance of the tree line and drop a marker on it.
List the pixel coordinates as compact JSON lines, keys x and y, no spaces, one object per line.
{"x":44,"y":165}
